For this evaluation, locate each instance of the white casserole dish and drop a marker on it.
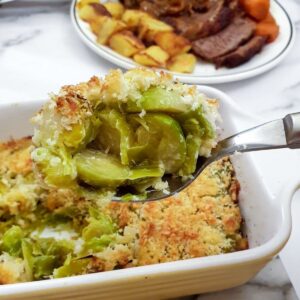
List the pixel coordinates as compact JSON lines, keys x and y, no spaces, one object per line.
{"x":268,"y":226}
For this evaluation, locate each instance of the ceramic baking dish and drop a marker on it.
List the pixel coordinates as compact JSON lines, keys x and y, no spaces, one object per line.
{"x":267,"y":218}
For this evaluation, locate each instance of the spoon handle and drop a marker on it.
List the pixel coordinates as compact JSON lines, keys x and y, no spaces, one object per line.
{"x":292,"y":130}
{"x":282,"y":133}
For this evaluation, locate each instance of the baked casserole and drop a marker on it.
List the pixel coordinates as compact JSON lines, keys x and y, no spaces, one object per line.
{"x":50,"y":230}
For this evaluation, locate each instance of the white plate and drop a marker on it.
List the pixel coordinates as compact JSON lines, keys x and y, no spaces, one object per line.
{"x":206,"y":73}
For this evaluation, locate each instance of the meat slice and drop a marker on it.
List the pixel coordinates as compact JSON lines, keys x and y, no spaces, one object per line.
{"x":160,"y":8}
{"x":198,"y":25}
{"x":130,"y":3}
{"x":200,"y":5}
{"x":227,"y":40}
{"x":241,"y":54}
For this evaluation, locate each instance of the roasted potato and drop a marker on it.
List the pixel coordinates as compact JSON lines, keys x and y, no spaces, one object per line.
{"x":182,"y":63}
{"x":96,"y":24}
{"x":107,"y":28}
{"x":153,"y":56}
{"x":90,"y":12}
{"x":116,"y":9}
{"x":172,"y":43}
{"x":125,"y":43}
{"x":149,"y":27}
{"x":82,"y":3}
{"x":133,"y":17}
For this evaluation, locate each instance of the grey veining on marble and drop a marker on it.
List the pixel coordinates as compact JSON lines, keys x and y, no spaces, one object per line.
{"x":39,"y":50}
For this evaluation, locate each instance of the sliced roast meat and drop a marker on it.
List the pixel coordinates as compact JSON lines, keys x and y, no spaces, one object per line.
{"x":227,"y":40}
{"x":233,"y":4}
{"x":131,"y":3}
{"x":200,"y":5}
{"x":241,"y":54}
{"x":159,"y":8}
{"x":199,"y":25}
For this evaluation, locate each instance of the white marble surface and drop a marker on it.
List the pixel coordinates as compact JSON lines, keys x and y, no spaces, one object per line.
{"x":40,"y":51}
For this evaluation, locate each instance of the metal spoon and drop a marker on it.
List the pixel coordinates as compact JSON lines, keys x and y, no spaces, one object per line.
{"x":282,"y":133}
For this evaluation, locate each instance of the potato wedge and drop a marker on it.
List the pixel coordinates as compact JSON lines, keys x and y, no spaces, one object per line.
{"x":125,"y":43}
{"x":82,"y":3}
{"x":96,"y":24}
{"x":116,"y":9}
{"x":182,"y":63}
{"x":92,"y":11}
{"x":132,"y":17}
{"x":153,"y":56}
{"x":172,"y":43}
{"x":107,"y":28}
{"x":149,"y":27}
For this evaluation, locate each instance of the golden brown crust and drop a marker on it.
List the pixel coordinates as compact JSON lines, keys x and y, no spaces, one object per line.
{"x":202,"y":220}
{"x":14,"y":156}
{"x":18,"y":191}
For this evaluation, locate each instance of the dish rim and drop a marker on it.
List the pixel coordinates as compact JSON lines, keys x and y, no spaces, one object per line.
{"x":259,"y":253}
{"x":122,"y":62}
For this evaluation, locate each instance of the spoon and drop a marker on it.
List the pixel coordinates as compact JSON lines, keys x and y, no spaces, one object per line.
{"x":282,"y":133}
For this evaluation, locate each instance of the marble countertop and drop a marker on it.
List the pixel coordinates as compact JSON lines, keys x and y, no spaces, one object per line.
{"x":39,"y":50}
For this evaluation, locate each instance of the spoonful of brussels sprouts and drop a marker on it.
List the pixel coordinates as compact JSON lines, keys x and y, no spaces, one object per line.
{"x":138,"y":136}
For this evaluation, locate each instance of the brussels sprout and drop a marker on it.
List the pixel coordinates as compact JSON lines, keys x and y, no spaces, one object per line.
{"x":71,"y":267}
{"x":43,"y":266}
{"x":162,"y":139}
{"x":80,"y":134}
{"x":57,"y":169}
{"x":98,"y":227}
{"x":114,"y":135}
{"x":99,"y":169}
{"x":98,"y":244}
{"x":158,"y":99}
{"x":12,"y":240}
{"x":43,"y":255}
{"x":102,"y":170}
{"x":193,"y":142}
{"x":28,"y":258}
{"x":146,"y":172}
{"x":198,"y":114}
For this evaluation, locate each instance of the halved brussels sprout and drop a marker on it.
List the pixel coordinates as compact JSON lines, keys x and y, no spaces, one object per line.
{"x":57,"y":169}
{"x":158,"y":99}
{"x":71,"y":267}
{"x":42,"y":256}
{"x":102,"y":170}
{"x":193,"y":132}
{"x":12,"y":241}
{"x":114,"y":135}
{"x":161,"y":140}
